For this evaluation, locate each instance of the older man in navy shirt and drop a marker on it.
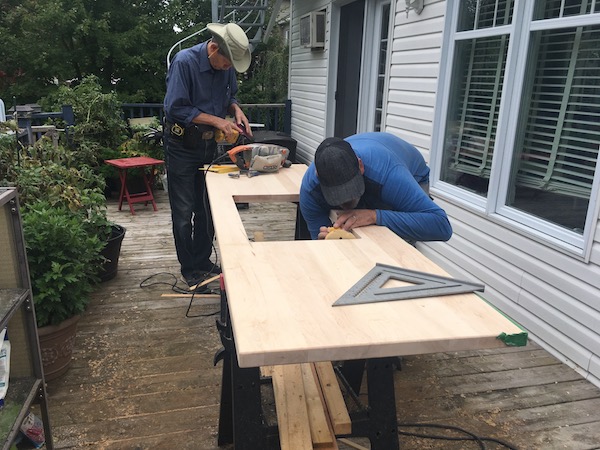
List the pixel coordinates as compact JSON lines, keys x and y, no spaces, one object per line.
{"x":201,"y":89}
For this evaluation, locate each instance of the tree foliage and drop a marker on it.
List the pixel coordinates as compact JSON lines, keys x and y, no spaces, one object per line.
{"x":123,"y":43}
{"x":54,"y":43}
{"x":267,"y":81}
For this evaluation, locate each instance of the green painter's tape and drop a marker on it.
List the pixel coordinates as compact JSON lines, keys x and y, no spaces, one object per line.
{"x":511,"y":340}
{"x":514,"y":340}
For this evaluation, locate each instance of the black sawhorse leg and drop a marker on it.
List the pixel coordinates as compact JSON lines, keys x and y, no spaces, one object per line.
{"x":377,"y":421}
{"x":240,"y":416}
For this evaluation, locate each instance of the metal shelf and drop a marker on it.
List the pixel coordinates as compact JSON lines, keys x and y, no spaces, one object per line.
{"x":26,"y":384}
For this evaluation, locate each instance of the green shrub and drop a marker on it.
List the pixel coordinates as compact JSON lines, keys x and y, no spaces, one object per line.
{"x":63,"y":260}
{"x":98,"y":115}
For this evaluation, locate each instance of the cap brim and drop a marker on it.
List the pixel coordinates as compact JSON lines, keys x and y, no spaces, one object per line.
{"x":351,"y":190}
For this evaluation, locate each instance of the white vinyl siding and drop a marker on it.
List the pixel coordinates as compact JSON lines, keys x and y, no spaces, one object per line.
{"x":308,"y":81}
{"x":414,"y":73}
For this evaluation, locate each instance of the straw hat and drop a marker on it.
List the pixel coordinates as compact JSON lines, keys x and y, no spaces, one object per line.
{"x":234,"y":42}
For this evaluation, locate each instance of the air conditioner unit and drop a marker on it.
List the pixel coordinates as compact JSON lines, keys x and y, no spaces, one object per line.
{"x":312,"y":29}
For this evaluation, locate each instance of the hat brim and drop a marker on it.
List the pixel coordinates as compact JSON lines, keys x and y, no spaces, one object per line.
{"x":239,"y":64}
{"x":351,"y":190}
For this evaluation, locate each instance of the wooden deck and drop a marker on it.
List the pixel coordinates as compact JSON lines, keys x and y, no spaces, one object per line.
{"x":143,"y":374}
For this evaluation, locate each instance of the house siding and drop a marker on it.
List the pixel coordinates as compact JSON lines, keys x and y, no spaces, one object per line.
{"x":415,"y":60}
{"x":308,"y":84}
{"x":554,"y":295}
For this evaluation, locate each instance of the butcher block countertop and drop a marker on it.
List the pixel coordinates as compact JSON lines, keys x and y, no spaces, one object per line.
{"x":280,"y":294}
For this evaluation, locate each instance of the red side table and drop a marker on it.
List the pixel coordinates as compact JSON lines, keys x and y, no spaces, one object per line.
{"x":123,"y":165}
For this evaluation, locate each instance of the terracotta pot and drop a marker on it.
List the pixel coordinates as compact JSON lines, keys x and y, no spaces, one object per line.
{"x":111,"y":252}
{"x":56,"y":345}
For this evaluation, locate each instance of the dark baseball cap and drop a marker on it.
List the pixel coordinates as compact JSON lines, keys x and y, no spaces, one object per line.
{"x":338,"y":172}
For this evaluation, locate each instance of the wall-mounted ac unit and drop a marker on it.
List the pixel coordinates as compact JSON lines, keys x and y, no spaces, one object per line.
{"x":312,"y":29}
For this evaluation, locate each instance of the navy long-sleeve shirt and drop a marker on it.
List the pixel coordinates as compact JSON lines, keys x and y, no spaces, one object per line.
{"x":194,"y":87}
{"x":393,"y":171}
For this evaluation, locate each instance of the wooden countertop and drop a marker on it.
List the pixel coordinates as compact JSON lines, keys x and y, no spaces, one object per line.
{"x":280,"y":294}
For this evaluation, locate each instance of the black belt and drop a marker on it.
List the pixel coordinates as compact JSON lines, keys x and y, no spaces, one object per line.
{"x":204,"y":132}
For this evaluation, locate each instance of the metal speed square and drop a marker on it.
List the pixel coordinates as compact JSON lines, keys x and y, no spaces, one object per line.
{"x":369,"y":289}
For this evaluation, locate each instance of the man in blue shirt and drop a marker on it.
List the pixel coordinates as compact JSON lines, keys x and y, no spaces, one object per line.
{"x":201,"y":89}
{"x":372,"y":179}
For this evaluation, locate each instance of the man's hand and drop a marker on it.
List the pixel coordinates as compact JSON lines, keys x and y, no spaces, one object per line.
{"x":227,"y":127}
{"x":241,"y":118}
{"x":347,"y":220}
{"x":323,"y":231}
{"x":355,"y":218}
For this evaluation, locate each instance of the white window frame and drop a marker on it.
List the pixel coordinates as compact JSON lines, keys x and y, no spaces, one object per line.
{"x":494,"y":207}
{"x":370,"y":69}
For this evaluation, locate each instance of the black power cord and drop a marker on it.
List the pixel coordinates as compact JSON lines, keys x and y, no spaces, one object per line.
{"x":175,"y":288}
{"x":205,"y":204}
{"x":469,"y":436}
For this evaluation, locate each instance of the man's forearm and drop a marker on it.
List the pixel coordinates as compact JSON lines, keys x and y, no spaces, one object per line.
{"x":419,"y":226}
{"x":206,"y":119}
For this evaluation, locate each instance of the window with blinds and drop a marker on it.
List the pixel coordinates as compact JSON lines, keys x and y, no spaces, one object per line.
{"x":481,"y":14}
{"x":557,"y":149}
{"x":545,"y":167}
{"x":473,"y":116}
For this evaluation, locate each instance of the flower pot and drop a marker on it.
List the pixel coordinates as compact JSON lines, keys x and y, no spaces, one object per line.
{"x":56,"y":345}
{"x":111,"y":252}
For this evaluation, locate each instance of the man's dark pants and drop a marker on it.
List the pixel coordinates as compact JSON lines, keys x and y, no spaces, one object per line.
{"x":190,"y":211}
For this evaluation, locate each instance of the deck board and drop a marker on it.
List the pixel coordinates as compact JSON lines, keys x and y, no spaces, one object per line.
{"x":143,"y":374}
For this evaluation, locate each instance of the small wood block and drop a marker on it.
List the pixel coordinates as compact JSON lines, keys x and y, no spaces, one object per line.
{"x":266,"y":371}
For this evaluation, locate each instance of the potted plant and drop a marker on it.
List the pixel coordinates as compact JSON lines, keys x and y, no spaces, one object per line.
{"x":63,"y":259}
{"x":66,"y":229}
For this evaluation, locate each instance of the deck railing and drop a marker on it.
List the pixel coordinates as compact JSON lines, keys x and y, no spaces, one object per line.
{"x":267,"y":116}
{"x":264,"y":116}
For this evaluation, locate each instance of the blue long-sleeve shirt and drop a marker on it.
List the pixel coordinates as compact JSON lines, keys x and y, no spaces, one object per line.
{"x":194,"y":87}
{"x":393,"y":171}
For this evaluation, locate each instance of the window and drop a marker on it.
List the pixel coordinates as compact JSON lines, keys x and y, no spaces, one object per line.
{"x":522,"y":134}
{"x":383,"y":51}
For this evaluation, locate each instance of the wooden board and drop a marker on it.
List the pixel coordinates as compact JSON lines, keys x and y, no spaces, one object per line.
{"x":292,"y":413}
{"x":281,"y":293}
{"x":320,"y":431}
{"x":336,"y":406}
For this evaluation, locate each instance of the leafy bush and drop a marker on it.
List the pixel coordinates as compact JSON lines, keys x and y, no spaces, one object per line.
{"x":63,"y":203}
{"x":100,"y":131}
{"x":63,"y":260}
{"x":8,"y":157}
{"x":98,"y":115}
{"x":65,"y":228}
